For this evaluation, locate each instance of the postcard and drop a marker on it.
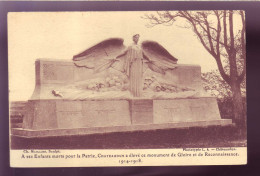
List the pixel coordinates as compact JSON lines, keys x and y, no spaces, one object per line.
{"x":127,"y":88}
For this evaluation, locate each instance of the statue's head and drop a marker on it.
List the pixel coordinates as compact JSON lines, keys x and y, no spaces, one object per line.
{"x":136,"y":38}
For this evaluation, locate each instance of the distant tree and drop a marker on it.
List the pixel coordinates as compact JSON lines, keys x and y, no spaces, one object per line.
{"x":215,"y":30}
{"x":214,"y":84}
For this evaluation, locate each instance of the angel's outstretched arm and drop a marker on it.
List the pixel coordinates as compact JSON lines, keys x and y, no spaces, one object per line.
{"x":122,"y":54}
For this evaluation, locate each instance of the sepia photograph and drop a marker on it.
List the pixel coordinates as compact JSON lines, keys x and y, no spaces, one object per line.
{"x":127,"y":88}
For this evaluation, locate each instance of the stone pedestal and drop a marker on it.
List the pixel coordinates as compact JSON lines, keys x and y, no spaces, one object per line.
{"x":53,"y":117}
{"x":67,"y":114}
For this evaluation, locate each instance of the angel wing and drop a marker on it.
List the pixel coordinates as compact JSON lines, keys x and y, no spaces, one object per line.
{"x":158,"y":58}
{"x":100,"y":56}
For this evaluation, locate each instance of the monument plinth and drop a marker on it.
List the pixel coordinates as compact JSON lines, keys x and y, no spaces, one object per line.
{"x":113,"y":88}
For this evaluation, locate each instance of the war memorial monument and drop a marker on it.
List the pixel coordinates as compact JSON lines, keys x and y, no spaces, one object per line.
{"x":113,"y":88}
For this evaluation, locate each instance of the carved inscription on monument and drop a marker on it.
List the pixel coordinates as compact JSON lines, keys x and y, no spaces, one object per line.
{"x":167,"y":111}
{"x":172,"y":111}
{"x":56,"y":72}
{"x":69,"y":114}
{"x":106,"y":113}
{"x":65,"y":72}
{"x":49,"y":72}
{"x":178,"y":110}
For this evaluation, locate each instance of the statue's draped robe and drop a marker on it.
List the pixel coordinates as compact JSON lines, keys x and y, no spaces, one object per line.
{"x":134,"y":69}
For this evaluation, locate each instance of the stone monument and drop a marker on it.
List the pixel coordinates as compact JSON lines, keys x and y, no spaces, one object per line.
{"x":113,"y":88}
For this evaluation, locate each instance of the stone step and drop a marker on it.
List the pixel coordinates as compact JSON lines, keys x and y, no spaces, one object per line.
{"x":16,"y":116}
{"x":17,"y":113}
{"x":16,"y":120}
{"x":18,"y":103}
{"x":19,"y":132}
{"x":16,"y":125}
{"x":17,"y":108}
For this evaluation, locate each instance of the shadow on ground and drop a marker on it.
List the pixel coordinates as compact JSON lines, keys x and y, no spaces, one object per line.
{"x":171,"y":138}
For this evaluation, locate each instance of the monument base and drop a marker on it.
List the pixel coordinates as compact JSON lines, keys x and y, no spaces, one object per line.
{"x":27,"y":133}
{"x":67,"y":117}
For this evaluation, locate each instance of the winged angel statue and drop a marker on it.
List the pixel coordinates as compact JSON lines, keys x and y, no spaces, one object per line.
{"x":131,"y":60}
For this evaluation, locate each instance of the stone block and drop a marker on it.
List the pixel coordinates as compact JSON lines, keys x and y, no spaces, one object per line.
{"x":183,"y":110}
{"x":186,"y":76}
{"x":106,"y":112}
{"x":40,"y":115}
{"x":66,"y":114}
{"x":141,"y":111}
{"x":69,"y":114}
{"x":54,"y":72}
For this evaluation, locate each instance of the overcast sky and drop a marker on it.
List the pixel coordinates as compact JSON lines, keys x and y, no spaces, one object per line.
{"x":60,"y":35}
